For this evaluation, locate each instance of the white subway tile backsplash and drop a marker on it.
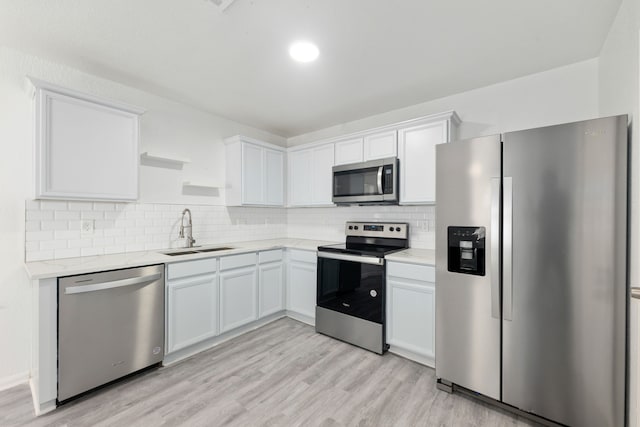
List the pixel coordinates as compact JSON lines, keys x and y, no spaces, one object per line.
{"x":31,"y":236}
{"x":48,"y":205}
{"x":66,"y":215}
{"x":46,"y":245}
{"x":124,"y":227}
{"x":54,"y":225}
{"x":38,"y":215}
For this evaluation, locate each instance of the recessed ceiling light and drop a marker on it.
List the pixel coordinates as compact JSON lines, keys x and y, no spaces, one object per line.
{"x":304,"y":51}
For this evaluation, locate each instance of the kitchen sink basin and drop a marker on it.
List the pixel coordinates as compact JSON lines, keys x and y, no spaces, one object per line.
{"x":180,"y":253}
{"x":196,"y":251}
{"x":224,"y":248}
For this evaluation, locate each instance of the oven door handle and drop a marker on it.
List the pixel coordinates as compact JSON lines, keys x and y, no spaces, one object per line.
{"x":355,"y":258}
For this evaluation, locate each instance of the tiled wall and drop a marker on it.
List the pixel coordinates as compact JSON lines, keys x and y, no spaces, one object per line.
{"x":328,"y":223}
{"x":53,"y":228}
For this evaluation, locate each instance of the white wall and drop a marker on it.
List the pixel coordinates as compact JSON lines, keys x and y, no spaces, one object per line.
{"x":619,"y":74}
{"x":166,"y":127}
{"x":560,"y":95}
{"x":619,"y":77}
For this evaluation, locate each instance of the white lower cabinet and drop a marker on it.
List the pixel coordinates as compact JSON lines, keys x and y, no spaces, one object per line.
{"x":410,"y":311}
{"x":301,"y":284}
{"x":271,"y":280}
{"x":238,"y":297}
{"x":192,"y":310}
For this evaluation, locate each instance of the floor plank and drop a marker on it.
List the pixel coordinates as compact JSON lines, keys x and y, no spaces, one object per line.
{"x":283,"y":374}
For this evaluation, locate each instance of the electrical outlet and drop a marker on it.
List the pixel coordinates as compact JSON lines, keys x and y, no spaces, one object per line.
{"x":87,"y":226}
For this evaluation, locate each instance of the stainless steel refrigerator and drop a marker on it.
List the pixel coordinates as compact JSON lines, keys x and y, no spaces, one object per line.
{"x":531,"y":269}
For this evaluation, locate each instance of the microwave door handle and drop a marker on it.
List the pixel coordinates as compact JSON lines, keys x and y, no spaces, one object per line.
{"x":380,"y":180}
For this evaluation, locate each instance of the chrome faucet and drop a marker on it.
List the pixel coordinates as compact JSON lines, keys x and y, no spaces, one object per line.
{"x":190,"y":239}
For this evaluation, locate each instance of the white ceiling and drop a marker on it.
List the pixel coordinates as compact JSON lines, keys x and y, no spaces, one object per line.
{"x":375,"y":55}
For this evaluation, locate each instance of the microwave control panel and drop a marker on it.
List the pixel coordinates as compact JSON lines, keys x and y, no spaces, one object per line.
{"x":466,"y":250}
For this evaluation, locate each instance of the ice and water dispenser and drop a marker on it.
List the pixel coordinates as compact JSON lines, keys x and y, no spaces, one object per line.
{"x":466,"y":250}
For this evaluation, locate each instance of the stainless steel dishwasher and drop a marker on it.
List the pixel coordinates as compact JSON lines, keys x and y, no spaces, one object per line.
{"x":110,"y":324}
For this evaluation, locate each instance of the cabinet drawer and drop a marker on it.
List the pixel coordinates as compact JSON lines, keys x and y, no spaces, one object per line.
{"x":270,"y":256}
{"x":303,"y":256}
{"x":423,"y":273}
{"x":235,"y":261}
{"x":191,"y":268}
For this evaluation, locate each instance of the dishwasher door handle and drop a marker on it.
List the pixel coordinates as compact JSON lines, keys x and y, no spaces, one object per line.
{"x":635,"y":293}
{"x":113,"y":284}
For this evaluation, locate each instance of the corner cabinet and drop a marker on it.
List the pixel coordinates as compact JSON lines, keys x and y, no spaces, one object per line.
{"x":301,"y":285}
{"x":311,"y":176}
{"x":254,"y":173}
{"x":238,"y":291}
{"x":410,"y":311}
{"x":85,"y":147}
{"x":417,"y":154}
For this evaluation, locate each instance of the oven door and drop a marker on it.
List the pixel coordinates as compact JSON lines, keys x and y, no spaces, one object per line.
{"x":352,"y":284}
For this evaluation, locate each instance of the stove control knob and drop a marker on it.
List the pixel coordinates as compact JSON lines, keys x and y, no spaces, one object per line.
{"x":397,"y":228}
{"x":355,"y":227}
{"x":390,"y":228}
{"x":351,"y":227}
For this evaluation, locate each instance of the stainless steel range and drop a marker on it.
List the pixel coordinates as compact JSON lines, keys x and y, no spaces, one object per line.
{"x":351,"y":283}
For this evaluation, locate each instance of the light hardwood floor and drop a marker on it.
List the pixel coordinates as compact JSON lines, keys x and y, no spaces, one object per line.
{"x":283,"y":374}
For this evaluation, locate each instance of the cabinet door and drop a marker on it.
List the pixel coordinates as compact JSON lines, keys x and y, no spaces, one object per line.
{"x":417,"y":154}
{"x":322,"y":175}
{"x":380,"y":145}
{"x":238,"y":298}
{"x":84,"y":149}
{"x":274,"y":177}
{"x":349,"y":151}
{"x":192,"y":310}
{"x":271,"y":283}
{"x":301,"y":288}
{"x":299,"y":178}
{"x":252,"y":175}
{"x":411,"y":316}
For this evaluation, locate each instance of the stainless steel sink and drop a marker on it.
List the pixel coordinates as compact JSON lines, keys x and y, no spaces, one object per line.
{"x":223,"y":248}
{"x":195,"y":251}
{"x":180,"y":253}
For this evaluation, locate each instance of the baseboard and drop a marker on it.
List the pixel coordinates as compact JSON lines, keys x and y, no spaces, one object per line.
{"x":408,"y":354}
{"x":301,"y":318}
{"x":14,"y":380}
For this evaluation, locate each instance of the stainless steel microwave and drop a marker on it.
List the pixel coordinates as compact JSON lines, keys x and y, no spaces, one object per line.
{"x":373,"y":182}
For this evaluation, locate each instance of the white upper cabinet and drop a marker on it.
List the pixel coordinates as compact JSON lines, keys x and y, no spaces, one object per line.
{"x":85,"y":147}
{"x":322,"y":175}
{"x":417,"y":156}
{"x":311,"y":176}
{"x":254,"y":173}
{"x":299,"y":178}
{"x":349,"y":151}
{"x":380,"y":145}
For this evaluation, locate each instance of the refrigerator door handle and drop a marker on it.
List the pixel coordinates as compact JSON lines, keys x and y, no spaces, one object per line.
{"x":495,"y":248}
{"x":507,"y":255}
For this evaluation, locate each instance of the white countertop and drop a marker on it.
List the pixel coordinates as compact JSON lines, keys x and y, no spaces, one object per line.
{"x":91,"y":264}
{"x":414,"y":256}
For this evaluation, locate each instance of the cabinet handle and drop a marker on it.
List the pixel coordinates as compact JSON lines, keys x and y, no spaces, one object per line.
{"x":110,"y":285}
